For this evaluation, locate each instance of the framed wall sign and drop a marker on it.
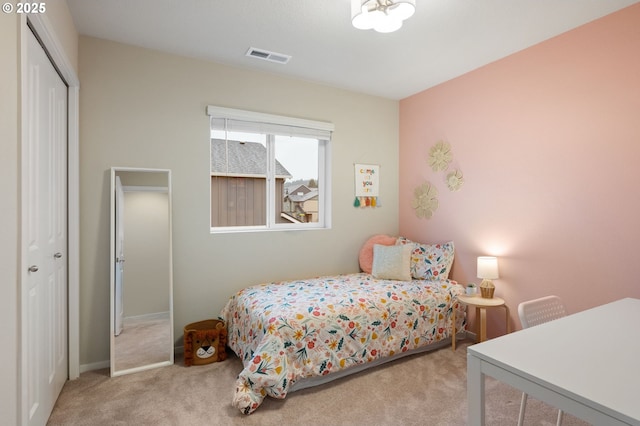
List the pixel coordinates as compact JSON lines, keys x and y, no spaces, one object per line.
{"x":367,"y":185}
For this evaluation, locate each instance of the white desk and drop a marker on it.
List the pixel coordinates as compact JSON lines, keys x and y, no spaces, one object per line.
{"x":587,"y":364}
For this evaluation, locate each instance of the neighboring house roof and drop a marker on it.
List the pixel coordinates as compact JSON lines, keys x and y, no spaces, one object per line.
{"x":297,"y":189}
{"x":241,"y":158}
{"x":302,"y":193}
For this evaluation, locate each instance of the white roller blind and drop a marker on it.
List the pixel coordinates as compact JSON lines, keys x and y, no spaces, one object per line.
{"x":254,"y":122}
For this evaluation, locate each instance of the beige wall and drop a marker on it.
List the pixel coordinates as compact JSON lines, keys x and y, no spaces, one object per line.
{"x":146,"y":250}
{"x":10,"y":224}
{"x":141,"y":108}
{"x":60,"y":17}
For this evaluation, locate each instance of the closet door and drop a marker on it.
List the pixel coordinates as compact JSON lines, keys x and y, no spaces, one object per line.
{"x":44,"y":351}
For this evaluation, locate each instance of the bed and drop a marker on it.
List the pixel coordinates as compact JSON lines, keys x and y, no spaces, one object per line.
{"x":295,"y":334}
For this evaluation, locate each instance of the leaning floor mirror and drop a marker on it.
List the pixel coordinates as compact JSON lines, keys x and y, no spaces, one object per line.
{"x":141,"y":270}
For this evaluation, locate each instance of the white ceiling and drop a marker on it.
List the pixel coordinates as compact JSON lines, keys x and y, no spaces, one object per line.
{"x":444,"y":39}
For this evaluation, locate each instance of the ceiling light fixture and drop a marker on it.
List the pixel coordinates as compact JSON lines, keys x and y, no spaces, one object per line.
{"x":384,"y":16}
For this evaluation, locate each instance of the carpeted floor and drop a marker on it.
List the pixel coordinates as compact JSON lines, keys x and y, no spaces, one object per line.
{"x":144,"y":340}
{"x":426,"y":389}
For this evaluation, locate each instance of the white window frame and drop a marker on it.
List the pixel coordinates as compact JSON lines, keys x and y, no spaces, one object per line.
{"x":301,"y":127}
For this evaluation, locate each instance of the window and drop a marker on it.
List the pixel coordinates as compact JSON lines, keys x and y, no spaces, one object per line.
{"x":268,"y":172}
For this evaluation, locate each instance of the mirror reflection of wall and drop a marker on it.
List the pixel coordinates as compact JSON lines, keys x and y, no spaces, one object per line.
{"x":142,"y":328}
{"x":147,"y":248}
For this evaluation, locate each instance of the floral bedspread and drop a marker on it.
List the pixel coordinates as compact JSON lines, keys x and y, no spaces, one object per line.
{"x":290,"y":330}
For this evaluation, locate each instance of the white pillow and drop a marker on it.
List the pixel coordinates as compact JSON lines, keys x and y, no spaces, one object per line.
{"x":392,"y":262}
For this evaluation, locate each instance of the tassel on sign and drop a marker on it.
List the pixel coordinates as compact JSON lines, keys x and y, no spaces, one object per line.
{"x":364,"y":202}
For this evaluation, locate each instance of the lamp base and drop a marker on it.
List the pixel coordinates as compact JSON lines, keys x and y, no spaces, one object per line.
{"x":487,"y":288}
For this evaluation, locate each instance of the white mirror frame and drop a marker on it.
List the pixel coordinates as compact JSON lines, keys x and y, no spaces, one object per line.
{"x":170,"y":361}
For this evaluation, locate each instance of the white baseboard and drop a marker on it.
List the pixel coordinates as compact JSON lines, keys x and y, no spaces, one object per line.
{"x":94,"y":366}
{"x":178,"y":350}
{"x":147,"y":317}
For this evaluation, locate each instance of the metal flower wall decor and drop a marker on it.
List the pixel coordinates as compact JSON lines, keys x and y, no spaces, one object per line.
{"x":425,"y":200}
{"x":440,"y":156}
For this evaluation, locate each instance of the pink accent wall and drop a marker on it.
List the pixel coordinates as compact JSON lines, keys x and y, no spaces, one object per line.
{"x":548,"y":140}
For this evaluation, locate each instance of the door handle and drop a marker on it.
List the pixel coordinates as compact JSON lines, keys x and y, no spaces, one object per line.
{"x":33,"y":268}
{"x":57,"y":255}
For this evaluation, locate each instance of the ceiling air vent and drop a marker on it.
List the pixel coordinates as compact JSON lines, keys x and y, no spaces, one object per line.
{"x":268,"y":56}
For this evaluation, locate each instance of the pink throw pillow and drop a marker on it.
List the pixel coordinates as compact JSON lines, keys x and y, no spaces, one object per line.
{"x":366,"y":252}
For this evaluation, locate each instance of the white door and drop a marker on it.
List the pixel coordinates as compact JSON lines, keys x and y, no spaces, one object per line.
{"x":119,"y":263}
{"x":45,"y":356}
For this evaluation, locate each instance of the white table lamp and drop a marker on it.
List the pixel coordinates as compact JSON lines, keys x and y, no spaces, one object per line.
{"x":487,"y":270}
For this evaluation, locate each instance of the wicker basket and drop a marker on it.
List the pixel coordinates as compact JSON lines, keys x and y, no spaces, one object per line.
{"x":487,"y":292}
{"x":205,"y":342}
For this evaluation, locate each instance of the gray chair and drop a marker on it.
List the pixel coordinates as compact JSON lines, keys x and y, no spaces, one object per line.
{"x":535,"y":312}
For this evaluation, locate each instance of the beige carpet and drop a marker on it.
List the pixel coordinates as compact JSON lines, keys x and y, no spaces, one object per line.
{"x":144,"y":340}
{"x":425,"y":389}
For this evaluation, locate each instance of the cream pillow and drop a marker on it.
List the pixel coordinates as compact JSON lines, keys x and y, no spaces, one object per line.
{"x":429,"y":261}
{"x":392,"y":262}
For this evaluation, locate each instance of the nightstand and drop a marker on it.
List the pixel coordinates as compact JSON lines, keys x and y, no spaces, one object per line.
{"x":481,"y":304}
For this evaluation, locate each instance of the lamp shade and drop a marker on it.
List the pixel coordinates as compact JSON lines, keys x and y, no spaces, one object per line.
{"x":488,"y":267}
